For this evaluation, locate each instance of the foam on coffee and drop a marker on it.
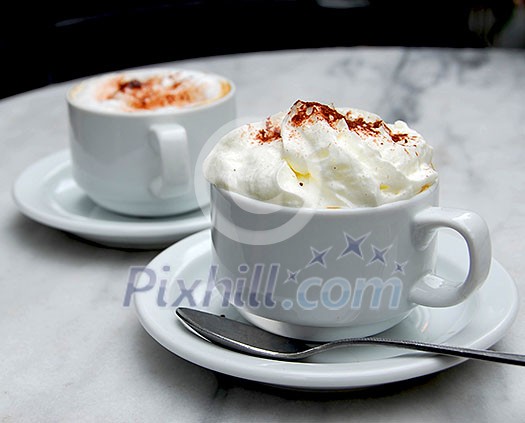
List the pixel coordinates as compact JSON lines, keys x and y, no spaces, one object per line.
{"x":150,"y":90}
{"x":316,"y":155}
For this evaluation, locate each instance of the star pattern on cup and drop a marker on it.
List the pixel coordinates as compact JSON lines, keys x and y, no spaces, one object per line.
{"x":292,"y":276}
{"x":379,"y":255}
{"x":399,"y":267}
{"x":318,"y":257}
{"x":353,"y":245}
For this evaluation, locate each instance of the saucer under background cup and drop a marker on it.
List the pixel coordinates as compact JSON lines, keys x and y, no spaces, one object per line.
{"x":47,"y":193}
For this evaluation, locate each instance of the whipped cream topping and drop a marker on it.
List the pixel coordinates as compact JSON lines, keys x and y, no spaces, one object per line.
{"x":319,"y":156}
{"x":150,"y":90}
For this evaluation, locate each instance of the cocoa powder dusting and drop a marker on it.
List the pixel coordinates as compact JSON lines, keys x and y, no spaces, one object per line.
{"x":270,"y":133}
{"x":305,"y":109}
{"x":398,"y":137}
{"x":363,"y":127}
{"x":133,"y":84}
{"x":151,"y":94}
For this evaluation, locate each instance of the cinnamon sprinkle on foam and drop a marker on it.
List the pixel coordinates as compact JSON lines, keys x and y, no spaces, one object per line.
{"x":306,"y":110}
{"x":156,"y":91}
{"x":270,"y":133}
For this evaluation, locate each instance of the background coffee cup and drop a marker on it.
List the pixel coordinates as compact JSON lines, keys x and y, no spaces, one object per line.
{"x":321,"y":274}
{"x":142,"y":162}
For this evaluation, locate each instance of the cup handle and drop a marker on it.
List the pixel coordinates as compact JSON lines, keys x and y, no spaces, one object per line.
{"x":170,"y":142}
{"x":434,"y":291}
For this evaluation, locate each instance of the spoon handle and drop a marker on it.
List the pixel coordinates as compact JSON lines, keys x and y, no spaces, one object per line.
{"x":487,"y":355}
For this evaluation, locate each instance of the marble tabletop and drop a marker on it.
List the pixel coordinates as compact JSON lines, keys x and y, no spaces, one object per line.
{"x":72,"y":352}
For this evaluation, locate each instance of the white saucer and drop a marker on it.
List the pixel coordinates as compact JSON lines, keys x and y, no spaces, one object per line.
{"x":479,"y":322}
{"x":47,"y":193}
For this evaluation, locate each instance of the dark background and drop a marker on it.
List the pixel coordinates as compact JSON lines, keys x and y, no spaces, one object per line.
{"x":44,"y":43}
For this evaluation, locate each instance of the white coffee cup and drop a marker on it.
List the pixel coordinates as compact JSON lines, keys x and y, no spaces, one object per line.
{"x":322,"y":274}
{"x":142,"y":162}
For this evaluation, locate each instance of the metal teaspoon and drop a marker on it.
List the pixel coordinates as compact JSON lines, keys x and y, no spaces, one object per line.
{"x":251,"y":340}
